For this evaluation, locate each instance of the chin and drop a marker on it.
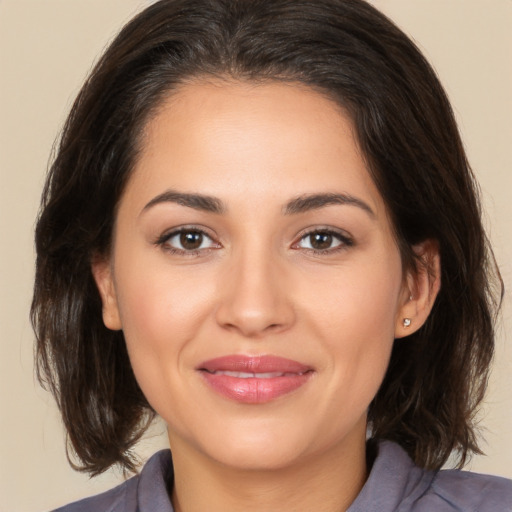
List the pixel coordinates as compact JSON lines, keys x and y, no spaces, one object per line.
{"x":260,"y":455}
{"x":266,"y":444}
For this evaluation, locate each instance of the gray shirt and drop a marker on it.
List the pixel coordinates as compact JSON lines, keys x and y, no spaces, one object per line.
{"x":395,"y":484}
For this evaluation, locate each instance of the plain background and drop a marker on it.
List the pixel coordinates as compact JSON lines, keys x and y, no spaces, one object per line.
{"x":46,"y":49}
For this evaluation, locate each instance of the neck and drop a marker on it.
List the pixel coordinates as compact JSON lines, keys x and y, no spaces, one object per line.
{"x":324,"y":482}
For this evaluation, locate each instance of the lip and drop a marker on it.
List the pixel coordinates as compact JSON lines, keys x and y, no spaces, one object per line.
{"x":254,"y":379}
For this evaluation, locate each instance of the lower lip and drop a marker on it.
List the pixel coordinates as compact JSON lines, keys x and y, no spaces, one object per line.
{"x":255,"y":390}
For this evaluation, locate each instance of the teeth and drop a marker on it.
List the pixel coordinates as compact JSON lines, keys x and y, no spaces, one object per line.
{"x":249,"y":375}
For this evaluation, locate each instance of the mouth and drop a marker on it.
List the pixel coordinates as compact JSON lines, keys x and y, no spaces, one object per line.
{"x":247,"y":375}
{"x":254,"y":379}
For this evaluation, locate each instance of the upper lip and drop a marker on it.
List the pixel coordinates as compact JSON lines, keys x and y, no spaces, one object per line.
{"x":254,"y":364}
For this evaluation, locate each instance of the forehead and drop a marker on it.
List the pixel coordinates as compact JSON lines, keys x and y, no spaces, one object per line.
{"x":240,"y":140}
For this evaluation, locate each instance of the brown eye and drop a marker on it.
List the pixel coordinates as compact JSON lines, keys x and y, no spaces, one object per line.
{"x":321,"y":241}
{"x":183,"y":241}
{"x":191,"y":240}
{"x":324,"y":241}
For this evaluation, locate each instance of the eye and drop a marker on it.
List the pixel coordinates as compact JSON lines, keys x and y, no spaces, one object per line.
{"x":324,"y":241}
{"x":186,"y":240}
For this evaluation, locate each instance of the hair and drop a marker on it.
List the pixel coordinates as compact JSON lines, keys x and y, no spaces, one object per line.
{"x":406,"y":130}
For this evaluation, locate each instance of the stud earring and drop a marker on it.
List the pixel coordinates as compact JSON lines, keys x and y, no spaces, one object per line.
{"x":407,"y":322}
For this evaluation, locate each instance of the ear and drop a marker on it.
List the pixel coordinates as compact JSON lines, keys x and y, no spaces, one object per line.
{"x":420,"y":289}
{"x":102,"y":272}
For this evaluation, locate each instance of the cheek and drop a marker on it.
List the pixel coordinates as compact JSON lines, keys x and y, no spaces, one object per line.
{"x":159,"y":303}
{"x":162,"y":310}
{"x":355,"y":316}
{"x":360,"y":298}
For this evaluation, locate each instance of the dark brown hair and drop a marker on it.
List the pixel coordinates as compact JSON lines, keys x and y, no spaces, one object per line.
{"x":407,"y":133}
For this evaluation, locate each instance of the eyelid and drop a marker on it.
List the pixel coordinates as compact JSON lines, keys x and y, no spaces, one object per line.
{"x":162,"y":240}
{"x":345,"y":238}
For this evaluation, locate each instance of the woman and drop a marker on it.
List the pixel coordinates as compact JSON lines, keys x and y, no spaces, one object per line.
{"x":261,"y":225}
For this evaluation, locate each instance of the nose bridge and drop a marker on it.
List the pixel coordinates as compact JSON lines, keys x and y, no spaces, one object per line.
{"x":254,"y":296}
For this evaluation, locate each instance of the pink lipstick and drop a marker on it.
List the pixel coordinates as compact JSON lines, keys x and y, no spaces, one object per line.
{"x":254,"y":379}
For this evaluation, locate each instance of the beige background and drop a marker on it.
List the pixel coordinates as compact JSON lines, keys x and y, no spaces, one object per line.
{"x":46,"y":50}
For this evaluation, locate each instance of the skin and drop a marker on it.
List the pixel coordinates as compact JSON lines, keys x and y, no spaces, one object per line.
{"x":255,"y":286}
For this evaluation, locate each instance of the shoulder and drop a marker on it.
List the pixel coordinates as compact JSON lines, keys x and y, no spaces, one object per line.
{"x":146,"y":491}
{"x":464,"y":490}
{"x":396,"y":484}
{"x":115,"y":499}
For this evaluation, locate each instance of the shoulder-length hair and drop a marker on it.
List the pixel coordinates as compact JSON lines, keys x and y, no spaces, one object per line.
{"x":407,"y":133}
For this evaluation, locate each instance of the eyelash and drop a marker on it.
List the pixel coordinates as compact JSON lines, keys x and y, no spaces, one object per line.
{"x":163,"y":240}
{"x":345,"y":241}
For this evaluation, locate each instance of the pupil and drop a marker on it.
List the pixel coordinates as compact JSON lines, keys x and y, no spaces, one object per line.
{"x":191,"y":240}
{"x":321,"y":240}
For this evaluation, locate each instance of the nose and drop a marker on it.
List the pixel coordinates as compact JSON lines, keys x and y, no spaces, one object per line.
{"x":254,"y":296}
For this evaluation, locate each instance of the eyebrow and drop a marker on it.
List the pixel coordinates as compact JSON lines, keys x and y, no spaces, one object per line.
{"x":195,"y":201}
{"x":301,"y":204}
{"x":309,"y":202}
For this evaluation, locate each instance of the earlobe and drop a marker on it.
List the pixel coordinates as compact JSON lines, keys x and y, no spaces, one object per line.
{"x":420,"y":289}
{"x":102,"y":273}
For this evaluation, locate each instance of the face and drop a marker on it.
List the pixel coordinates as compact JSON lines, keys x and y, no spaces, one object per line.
{"x":255,"y":274}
